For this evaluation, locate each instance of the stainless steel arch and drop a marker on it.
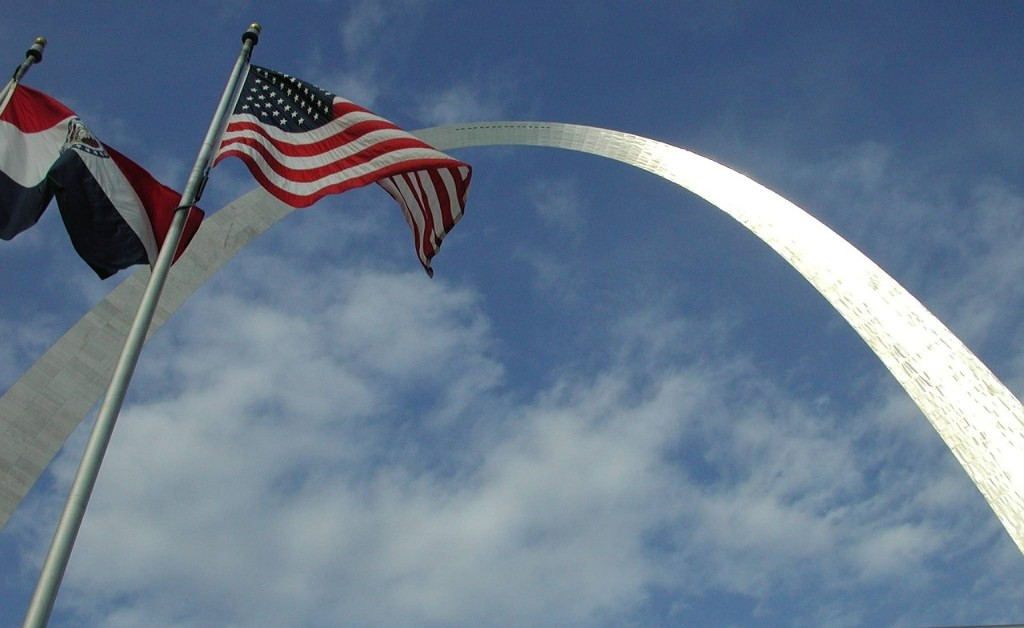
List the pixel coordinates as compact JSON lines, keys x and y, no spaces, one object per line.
{"x":975,"y":414}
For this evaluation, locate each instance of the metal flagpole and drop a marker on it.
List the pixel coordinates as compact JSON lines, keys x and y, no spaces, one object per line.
{"x":56,"y":562}
{"x":33,"y":55}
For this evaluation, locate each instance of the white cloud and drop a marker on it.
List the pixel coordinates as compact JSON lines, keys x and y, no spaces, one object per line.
{"x":557,"y":203}
{"x":362,"y":26}
{"x":356,"y":84}
{"x":984,"y":286}
{"x":458,"y":103}
{"x":280,"y":462}
{"x":279,"y":478}
{"x":351,"y":443}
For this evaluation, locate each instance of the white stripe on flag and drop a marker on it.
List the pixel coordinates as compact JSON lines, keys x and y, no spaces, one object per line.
{"x":324,"y":158}
{"x":123,"y":197}
{"x":397,"y":186}
{"x":306,"y":138}
{"x":27,"y":157}
{"x":335,"y":177}
{"x":430,"y":199}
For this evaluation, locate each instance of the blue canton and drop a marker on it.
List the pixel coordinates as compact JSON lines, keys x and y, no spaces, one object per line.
{"x":284,"y":101}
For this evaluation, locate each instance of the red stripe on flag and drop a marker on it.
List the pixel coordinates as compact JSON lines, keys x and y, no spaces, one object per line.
{"x":443,"y":199}
{"x":287,"y":168}
{"x":353,"y":148}
{"x":33,"y":111}
{"x":159,"y":202}
{"x":328,"y":137}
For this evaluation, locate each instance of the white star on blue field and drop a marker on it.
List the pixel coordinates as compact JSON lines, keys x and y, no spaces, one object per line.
{"x":282,"y":102}
{"x":611,"y":405}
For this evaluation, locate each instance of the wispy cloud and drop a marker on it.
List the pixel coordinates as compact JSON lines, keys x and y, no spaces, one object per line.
{"x":652,"y":425}
{"x":294,"y":442}
{"x":363,"y":25}
{"x":557,"y":203}
{"x":459,"y":103}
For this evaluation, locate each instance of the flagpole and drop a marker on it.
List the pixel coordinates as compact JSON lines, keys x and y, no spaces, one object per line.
{"x":33,"y":55}
{"x":45,"y":594}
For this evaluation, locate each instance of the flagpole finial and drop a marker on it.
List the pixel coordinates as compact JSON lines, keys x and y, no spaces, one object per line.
{"x":36,"y":50}
{"x":34,"y":54}
{"x":252,"y":33}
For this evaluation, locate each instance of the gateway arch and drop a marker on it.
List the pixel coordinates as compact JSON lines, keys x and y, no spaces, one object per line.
{"x":977,"y":417}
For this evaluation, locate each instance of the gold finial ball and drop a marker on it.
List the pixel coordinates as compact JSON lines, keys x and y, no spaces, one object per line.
{"x":41,"y":41}
{"x":252,"y":34}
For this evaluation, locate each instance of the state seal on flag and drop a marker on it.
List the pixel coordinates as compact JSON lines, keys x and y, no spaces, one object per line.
{"x":79,"y":136}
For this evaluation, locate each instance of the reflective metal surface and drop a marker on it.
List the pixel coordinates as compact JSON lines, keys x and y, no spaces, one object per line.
{"x":974,"y":413}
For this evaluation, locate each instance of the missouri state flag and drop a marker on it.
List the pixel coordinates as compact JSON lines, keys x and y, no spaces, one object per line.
{"x":302,"y":143}
{"x":117,"y":215}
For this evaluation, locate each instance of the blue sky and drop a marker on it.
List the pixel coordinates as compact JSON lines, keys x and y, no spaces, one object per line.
{"x":612,"y":405}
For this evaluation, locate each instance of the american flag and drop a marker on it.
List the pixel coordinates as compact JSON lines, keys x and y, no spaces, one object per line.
{"x":302,"y":143}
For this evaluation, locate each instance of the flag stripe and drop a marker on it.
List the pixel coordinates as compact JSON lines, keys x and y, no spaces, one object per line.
{"x":299,"y":193}
{"x":32,"y":111}
{"x":302,"y":143}
{"x":158,"y":201}
{"x":115,"y":212}
{"x":438,"y":184}
{"x":314,"y":168}
{"x":431,"y":203}
{"x":417,"y":219}
{"x":329,"y":137}
{"x":27,"y":157}
{"x":20,"y":205}
{"x":88,"y":195}
{"x":123,"y":198}
{"x":355,"y":124}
